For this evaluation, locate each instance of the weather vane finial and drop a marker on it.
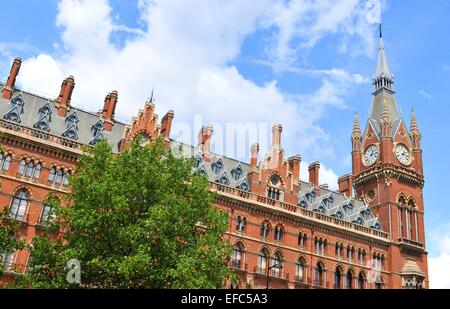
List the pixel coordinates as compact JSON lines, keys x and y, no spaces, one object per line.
{"x":152,"y":97}
{"x":381,"y":33}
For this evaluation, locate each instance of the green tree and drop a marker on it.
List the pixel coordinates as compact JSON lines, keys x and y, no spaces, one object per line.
{"x":140,"y":219}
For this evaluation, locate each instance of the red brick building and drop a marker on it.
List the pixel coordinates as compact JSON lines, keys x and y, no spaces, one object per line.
{"x":286,"y":233}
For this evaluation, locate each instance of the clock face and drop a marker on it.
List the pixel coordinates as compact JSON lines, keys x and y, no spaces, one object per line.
{"x":402,"y":154}
{"x":371,"y":155}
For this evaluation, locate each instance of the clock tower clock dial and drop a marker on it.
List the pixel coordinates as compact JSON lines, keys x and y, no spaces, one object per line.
{"x":402,"y":154}
{"x":371,"y":155}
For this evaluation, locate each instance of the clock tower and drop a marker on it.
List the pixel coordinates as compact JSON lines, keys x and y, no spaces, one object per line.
{"x":388,"y":174}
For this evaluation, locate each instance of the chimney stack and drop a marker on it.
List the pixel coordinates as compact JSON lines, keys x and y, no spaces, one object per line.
{"x":254,"y":150}
{"x":8,"y":88}
{"x":166,"y":124}
{"x":62,"y":103}
{"x":314,"y":173}
{"x":109,"y":109}
{"x":294,"y":163}
{"x":276,"y":135}
{"x":346,"y":185}
{"x":204,"y":141}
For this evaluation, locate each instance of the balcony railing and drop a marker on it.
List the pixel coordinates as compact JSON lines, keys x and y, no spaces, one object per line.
{"x":294,"y":209}
{"x":41,"y":135}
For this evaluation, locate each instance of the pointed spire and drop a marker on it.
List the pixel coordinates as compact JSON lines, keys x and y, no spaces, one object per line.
{"x":382,"y":66}
{"x":356,"y":134}
{"x":414,"y":128}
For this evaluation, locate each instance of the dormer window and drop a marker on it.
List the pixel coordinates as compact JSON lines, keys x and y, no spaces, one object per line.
{"x":217,"y":167}
{"x":97,"y":133}
{"x":311,"y":196}
{"x":237,"y":172}
{"x":44,"y":118}
{"x":16,"y":110}
{"x":197,"y":161}
{"x":71,"y":126}
{"x":223,"y":180}
{"x":348,"y":208}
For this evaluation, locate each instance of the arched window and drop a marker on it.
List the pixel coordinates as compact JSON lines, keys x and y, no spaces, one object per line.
{"x":236,"y":260}
{"x":277,"y":260}
{"x":240,"y":223}
{"x":262,"y":261}
{"x":300,"y":270}
{"x":320,"y":246}
{"x":47,"y":215}
{"x":7,"y":260}
{"x":337,"y":278}
{"x":30,"y":170}
{"x":273,"y":189}
{"x":362,"y":256}
{"x":264,"y":230}
{"x":349,"y":279}
{"x":338,"y":250}
{"x":318,"y":277}
{"x":302,"y":240}
{"x":350,"y":252}
{"x":278,"y":233}
{"x":58,"y":177}
{"x":19,"y":205}
{"x":5,"y":161}
{"x":361,"y":279}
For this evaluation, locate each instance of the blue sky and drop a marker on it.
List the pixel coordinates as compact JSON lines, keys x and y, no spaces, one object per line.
{"x":307,"y":66}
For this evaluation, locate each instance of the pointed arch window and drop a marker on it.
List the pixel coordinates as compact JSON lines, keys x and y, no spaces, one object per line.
{"x":58,"y":177}
{"x":5,"y":161}
{"x":7,"y":261}
{"x":300,"y":270}
{"x":361,"y":280}
{"x":30,"y":170}
{"x":240,"y":223}
{"x":47,"y":215}
{"x":319,"y":275}
{"x":19,"y":205}
{"x":236,"y":260}
{"x":264,"y":230}
{"x":302,"y":240}
{"x":278,"y":233}
{"x":337,"y":278}
{"x":263,"y":259}
{"x":277,"y":260}
{"x":349,"y":280}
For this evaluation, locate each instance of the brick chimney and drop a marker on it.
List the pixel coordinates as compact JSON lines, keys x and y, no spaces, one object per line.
{"x":346,"y":185}
{"x":166,"y":124}
{"x":62,"y":103}
{"x":109,"y":109}
{"x":204,"y":141}
{"x":294,"y":164}
{"x":8,"y":88}
{"x":254,"y":150}
{"x":314,"y":173}
{"x":276,"y":135}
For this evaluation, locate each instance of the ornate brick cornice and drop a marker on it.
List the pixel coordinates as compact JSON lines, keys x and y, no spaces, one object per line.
{"x":387,"y":171}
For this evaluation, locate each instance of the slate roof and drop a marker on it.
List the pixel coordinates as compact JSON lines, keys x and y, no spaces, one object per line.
{"x":32,"y":103}
{"x":330,"y":203}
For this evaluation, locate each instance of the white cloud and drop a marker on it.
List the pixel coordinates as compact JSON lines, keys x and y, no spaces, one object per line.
{"x":425,"y":94}
{"x":439,"y":264}
{"x":326,"y":175}
{"x":185,"y":51}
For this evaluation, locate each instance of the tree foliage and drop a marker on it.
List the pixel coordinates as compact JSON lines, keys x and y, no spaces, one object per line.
{"x":140,"y":219}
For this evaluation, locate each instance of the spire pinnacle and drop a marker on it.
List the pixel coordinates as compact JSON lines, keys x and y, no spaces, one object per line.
{"x":414,"y":128}
{"x":381,"y":33}
{"x":356,"y":134}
